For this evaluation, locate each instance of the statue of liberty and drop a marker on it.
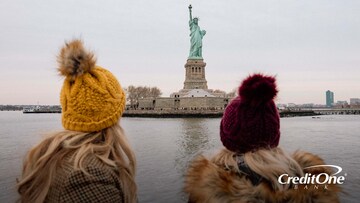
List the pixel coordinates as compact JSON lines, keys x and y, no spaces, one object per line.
{"x":196,"y":36}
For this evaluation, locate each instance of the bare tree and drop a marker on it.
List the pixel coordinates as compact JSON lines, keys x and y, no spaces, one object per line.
{"x":155,"y":92}
{"x":233,"y":93}
{"x":141,"y":92}
{"x":131,"y":95}
{"x":219,"y":91}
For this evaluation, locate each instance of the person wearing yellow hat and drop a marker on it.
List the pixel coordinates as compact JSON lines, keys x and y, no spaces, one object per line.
{"x":91,"y":160}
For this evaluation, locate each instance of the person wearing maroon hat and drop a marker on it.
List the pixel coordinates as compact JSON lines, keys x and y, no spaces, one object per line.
{"x":251,"y":168}
{"x":251,"y":121}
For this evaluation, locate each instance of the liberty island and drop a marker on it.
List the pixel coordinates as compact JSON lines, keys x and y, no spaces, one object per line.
{"x":195,"y":95}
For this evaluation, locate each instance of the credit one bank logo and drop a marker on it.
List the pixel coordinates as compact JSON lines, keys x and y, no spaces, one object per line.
{"x":321,"y":179}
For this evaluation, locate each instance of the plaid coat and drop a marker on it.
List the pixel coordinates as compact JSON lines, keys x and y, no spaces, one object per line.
{"x":102,"y":184}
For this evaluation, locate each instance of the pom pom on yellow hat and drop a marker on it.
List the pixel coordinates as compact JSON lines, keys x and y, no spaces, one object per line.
{"x":91,"y":97}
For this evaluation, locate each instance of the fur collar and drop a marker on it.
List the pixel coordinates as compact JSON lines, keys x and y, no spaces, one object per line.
{"x":216,"y":180}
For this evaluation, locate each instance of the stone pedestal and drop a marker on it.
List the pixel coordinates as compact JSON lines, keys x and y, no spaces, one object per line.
{"x":195,"y":74}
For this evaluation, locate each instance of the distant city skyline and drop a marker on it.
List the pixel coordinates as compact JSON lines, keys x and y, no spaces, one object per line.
{"x":311,"y":46}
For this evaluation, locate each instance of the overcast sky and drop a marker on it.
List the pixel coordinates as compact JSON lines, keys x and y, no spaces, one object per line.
{"x":311,"y":46}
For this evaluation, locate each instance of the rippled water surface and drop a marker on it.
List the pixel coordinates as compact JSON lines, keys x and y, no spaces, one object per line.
{"x":165,"y":146}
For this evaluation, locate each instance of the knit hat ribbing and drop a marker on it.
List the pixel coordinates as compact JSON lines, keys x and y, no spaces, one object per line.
{"x":91,"y":97}
{"x":251,"y":121}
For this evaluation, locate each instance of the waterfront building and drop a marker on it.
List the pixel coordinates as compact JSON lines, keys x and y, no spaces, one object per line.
{"x":281,"y":106}
{"x":307,"y":105}
{"x":291,"y":105}
{"x":341,"y":104}
{"x":195,"y":94}
{"x":329,"y":98}
{"x":354,"y":101}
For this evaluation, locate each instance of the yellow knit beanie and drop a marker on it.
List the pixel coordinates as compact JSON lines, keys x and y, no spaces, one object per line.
{"x":91,"y":97}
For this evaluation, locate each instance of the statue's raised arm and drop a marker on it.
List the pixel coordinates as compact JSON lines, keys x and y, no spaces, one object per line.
{"x":190,"y":7}
{"x":196,"y":35}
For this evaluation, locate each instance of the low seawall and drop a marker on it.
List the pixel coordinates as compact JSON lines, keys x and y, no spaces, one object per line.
{"x":297,"y":113}
{"x":174,"y":113}
{"x":199,"y":113}
{"x":42,"y":111}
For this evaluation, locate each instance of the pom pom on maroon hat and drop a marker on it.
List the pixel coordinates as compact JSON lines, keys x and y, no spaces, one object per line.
{"x":258,"y":89}
{"x":251,"y":121}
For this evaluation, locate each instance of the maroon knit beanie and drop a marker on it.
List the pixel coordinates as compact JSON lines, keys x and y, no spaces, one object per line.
{"x":251,"y":120}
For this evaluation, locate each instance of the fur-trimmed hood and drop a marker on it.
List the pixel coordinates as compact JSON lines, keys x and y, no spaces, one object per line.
{"x":219,"y":179}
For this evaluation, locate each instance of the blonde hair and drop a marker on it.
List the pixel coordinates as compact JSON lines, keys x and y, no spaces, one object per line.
{"x":109,"y":145}
{"x":269,"y":163}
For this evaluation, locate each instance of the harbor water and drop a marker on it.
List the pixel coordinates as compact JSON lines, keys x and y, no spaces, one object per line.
{"x":164,"y":148}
